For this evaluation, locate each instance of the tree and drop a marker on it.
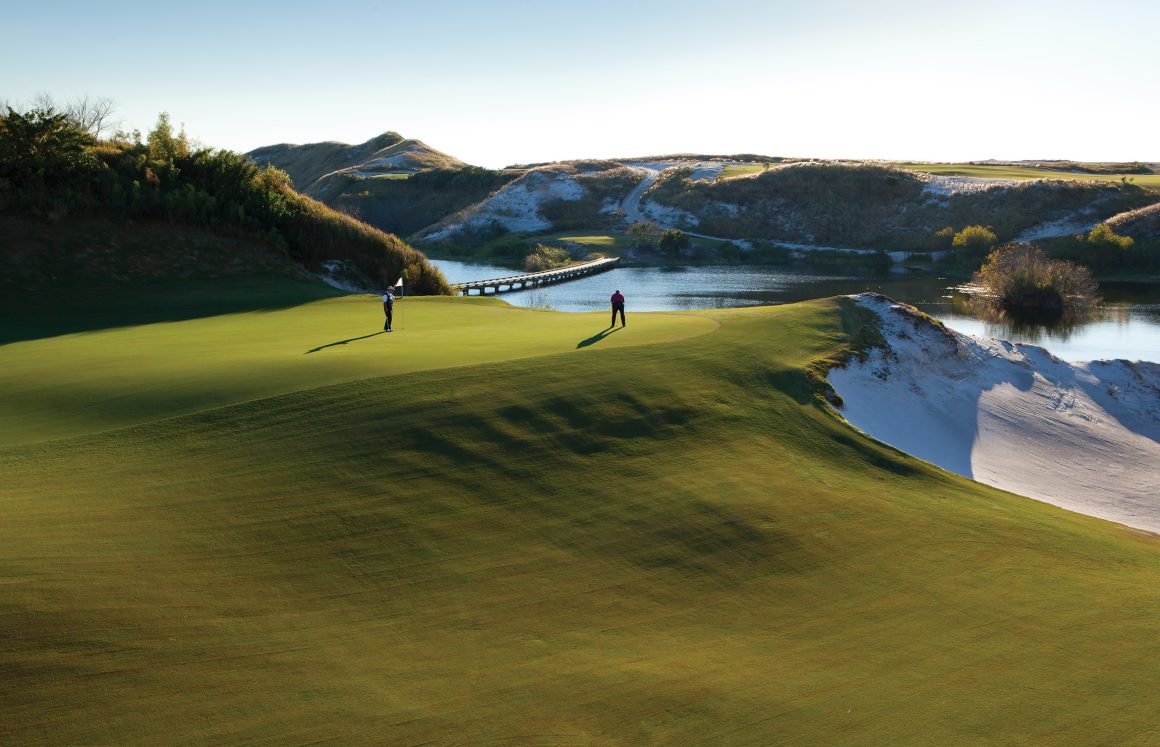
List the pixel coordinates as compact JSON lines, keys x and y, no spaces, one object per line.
{"x":163,"y":144}
{"x":93,"y":115}
{"x":41,"y":146}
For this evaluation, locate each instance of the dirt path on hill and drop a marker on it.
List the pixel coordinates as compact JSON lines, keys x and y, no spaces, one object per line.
{"x":631,"y":204}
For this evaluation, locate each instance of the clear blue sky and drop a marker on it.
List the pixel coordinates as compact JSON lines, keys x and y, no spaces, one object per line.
{"x":510,"y":82}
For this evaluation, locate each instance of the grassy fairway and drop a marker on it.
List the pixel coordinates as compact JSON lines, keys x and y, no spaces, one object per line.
{"x":609,"y":242}
{"x":657,"y":537}
{"x":742,"y":169}
{"x":998,"y":171}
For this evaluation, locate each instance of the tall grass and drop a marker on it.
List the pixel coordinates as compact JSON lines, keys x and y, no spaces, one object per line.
{"x":545,"y":257}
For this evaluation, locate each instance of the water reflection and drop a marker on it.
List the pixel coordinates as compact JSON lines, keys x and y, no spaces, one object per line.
{"x":1127,"y":326}
{"x":1029,"y":325}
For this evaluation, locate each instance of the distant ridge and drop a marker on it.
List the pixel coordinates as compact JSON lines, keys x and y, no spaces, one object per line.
{"x":310,"y":166}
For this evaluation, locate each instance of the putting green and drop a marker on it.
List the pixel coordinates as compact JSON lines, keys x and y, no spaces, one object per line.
{"x":93,"y":381}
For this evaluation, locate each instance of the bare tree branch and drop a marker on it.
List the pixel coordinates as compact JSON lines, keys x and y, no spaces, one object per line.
{"x":94,"y":115}
{"x":43,"y":100}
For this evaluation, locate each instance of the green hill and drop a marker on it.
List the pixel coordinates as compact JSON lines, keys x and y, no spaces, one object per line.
{"x":312,"y":166}
{"x":58,"y":184}
{"x":398,"y":185}
{"x":514,"y":526}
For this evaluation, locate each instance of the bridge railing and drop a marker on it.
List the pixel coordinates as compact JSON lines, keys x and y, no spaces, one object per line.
{"x":537,"y":278}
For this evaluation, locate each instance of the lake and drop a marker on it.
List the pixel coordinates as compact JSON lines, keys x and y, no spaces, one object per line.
{"x":1127,"y":327}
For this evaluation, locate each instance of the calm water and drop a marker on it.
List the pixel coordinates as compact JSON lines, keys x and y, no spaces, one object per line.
{"x":1128,"y":327}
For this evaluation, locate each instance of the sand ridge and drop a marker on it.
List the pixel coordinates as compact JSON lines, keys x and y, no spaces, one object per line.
{"x":1083,"y":436}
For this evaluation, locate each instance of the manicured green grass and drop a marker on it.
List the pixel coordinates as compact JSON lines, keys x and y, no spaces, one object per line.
{"x":599,"y":241}
{"x":611,"y":242}
{"x":1025,"y":172}
{"x":392,"y":175}
{"x":659,"y":537}
{"x":111,"y":378}
{"x":742,"y":169}
{"x":30,"y":315}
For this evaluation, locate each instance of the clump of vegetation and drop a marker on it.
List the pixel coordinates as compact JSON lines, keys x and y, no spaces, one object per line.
{"x":1107,"y":251}
{"x":545,"y":257}
{"x":673,"y":242}
{"x":644,"y":235}
{"x":974,"y":239}
{"x":943,"y":238}
{"x":1021,"y":277}
{"x":52,"y":168}
{"x":1103,"y":237}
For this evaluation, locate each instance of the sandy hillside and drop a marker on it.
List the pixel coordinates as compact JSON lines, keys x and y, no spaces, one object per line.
{"x":1085,"y":436}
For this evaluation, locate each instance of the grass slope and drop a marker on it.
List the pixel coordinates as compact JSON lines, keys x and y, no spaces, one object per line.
{"x":661,"y":542}
{"x":110,"y":378}
{"x":74,"y":255}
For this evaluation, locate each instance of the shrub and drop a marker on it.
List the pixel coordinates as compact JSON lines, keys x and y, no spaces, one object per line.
{"x":545,"y":257}
{"x":974,"y":239}
{"x":1023,"y":277}
{"x":1103,"y":237}
{"x":644,"y":235}
{"x":1104,"y":250}
{"x":944,"y":238}
{"x":673,"y":242}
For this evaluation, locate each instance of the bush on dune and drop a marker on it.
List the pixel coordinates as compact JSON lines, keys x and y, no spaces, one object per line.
{"x":545,"y":257}
{"x":1103,"y":237}
{"x":1107,"y":251}
{"x":51,"y":168}
{"x":974,"y":240}
{"x":1022,"y":277}
{"x":673,"y":242}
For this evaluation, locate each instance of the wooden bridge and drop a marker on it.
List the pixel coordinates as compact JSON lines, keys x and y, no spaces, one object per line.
{"x":534,"y":279}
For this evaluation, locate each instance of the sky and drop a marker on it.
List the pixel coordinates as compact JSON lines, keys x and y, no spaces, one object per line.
{"x":507,"y":81}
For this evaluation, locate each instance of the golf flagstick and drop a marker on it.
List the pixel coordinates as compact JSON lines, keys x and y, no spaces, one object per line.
{"x":399,"y":285}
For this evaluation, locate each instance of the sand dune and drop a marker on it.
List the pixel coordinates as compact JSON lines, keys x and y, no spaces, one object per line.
{"x":1085,"y":436}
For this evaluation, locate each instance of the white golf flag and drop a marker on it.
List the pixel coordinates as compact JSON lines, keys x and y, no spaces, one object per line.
{"x":400,"y":283}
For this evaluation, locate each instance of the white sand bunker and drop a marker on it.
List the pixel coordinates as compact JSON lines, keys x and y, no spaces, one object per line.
{"x":1085,"y":437}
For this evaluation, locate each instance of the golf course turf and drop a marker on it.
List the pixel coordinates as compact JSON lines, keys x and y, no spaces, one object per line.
{"x":271,"y":526}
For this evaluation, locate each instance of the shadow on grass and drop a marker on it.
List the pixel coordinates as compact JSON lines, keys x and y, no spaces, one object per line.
{"x":66,"y":310}
{"x":343,"y":342}
{"x":597,"y":337}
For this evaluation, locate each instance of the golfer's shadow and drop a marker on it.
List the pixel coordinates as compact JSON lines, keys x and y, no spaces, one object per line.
{"x":343,"y":342}
{"x":597,"y":337}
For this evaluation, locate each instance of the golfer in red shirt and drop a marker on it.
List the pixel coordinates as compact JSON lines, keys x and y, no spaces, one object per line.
{"x":617,"y":305}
